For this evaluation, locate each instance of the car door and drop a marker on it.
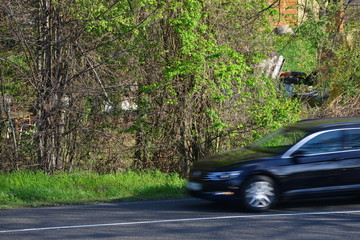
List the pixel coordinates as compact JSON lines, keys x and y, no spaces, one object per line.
{"x":316,"y":164}
{"x":351,"y":157}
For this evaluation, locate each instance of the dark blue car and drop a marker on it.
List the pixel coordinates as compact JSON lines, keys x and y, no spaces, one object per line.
{"x":311,"y":158}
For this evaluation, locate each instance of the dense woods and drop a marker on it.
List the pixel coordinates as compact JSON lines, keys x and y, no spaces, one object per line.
{"x":113,"y":85}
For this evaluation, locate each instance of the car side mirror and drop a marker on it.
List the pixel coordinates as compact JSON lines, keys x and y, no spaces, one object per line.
{"x":298,"y":154}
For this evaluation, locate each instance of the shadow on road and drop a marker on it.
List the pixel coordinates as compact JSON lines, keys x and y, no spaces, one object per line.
{"x":283,"y":206}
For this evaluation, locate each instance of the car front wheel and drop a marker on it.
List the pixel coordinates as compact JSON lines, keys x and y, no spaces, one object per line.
{"x":259,"y":193}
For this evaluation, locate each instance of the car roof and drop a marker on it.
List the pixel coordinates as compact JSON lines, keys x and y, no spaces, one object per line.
{"x":326,"y":123}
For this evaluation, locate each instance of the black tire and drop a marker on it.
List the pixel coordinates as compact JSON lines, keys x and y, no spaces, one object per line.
{"x":259,"y":193}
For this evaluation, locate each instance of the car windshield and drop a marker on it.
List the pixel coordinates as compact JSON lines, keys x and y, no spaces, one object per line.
{"x":279,"y":141}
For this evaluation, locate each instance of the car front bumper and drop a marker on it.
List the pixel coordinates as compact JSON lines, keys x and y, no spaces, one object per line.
{"x":213,"y":191}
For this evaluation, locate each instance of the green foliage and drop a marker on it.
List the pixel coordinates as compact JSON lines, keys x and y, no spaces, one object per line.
{"x":209,"y":93}
{"x":271,"y":111}
{"x":217,"y":123}
{"x":98,"y":18}
{"x":300,"y":53}
{"x":20,"y":189}
{"x":345,"y":73}
{"x":337,"y":51}
{"x":118,"y":17}
{"x":190,"y":63}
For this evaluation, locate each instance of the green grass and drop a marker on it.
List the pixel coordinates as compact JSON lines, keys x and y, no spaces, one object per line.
{"x":300,"y":54}
{"x":31,"y":189}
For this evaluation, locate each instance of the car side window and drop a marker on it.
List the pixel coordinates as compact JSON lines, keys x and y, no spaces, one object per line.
{"x":323,"y":143}
{"x":352,"y":139}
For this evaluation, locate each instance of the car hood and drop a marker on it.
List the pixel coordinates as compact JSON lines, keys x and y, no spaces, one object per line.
{"x":223,"y":160}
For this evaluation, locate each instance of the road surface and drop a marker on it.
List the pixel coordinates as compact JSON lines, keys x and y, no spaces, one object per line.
{"x":181,"y":219}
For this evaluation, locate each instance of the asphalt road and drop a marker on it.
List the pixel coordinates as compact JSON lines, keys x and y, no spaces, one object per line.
{"x":184,"y":219}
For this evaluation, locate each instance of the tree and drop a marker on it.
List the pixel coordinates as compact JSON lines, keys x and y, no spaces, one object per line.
{"x":187,"y":64}
{"x":63,"y":59}
{"x":207,"y":99}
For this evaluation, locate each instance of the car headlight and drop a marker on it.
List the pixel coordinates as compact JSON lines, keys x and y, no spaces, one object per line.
{"x":216,"y":176}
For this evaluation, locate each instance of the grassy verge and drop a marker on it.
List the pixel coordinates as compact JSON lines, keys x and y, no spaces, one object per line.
{"x":31,"y":189}
{"x":300,"y":54}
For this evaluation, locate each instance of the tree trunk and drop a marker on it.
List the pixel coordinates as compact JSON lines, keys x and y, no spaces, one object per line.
{"x":50,"y":117}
